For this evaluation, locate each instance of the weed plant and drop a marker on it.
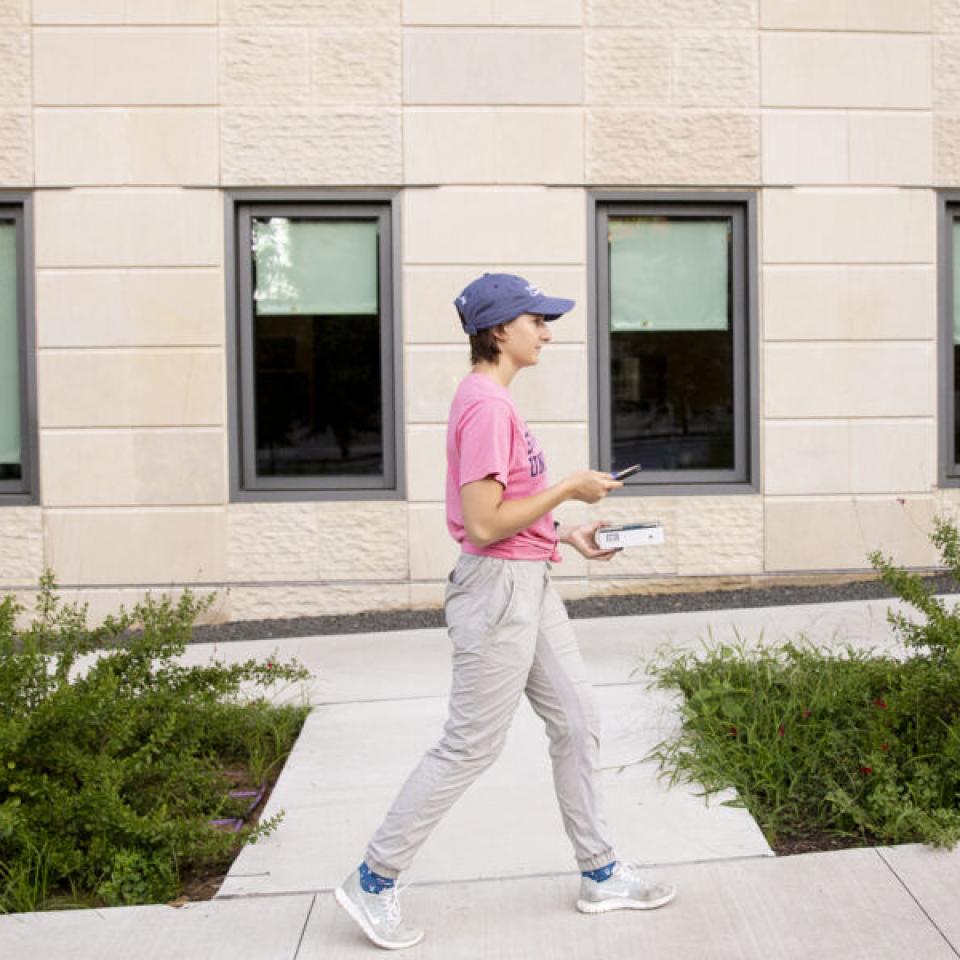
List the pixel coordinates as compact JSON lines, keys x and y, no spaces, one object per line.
{"x":113,"y":755}
{"x":817,"y":740}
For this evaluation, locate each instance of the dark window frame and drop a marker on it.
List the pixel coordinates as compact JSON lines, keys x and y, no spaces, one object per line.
{"x":240,"y":207}
{"x":18,"y":206}
{"x":742,"y":205}
{"x":948,"y":211}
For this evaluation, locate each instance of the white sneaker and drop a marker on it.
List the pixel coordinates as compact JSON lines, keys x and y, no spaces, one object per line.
{"x":624,"y":889}
{"x":377,"y":914}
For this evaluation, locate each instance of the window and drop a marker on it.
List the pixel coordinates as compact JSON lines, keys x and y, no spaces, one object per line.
{"x":18,"y":467}
{"x":315,"y":347}
{"x":675,"y":389}
{"x":949,"y":352}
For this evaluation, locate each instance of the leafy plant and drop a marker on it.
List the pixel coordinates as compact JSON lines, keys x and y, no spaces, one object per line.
{"x":113,"y":754}
{"x":815,"y":739}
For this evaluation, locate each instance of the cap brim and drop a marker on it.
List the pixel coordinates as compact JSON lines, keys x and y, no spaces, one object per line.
{"x":551,"y":307}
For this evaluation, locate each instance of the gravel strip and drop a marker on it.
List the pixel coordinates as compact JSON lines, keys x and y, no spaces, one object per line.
{"x":630,"y":605}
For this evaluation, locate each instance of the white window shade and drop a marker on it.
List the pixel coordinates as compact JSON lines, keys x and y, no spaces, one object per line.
{"x":315,"y":267}
{"x":668,"y":274}
{"x":9,"y":348}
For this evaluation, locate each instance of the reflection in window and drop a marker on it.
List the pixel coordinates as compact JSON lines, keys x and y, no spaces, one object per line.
{"x":671,"y":342}
{"x":317,"y":354}
{"x":10,"y":409}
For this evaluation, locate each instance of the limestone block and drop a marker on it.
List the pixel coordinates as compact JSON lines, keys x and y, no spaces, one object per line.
{"x":264,"y":66}
{"x":16,"y":148}
{"x":88,"y":66}
{"x":805,"y":147}
{"x":137,"y":546}
{"x":362,"y":540}
{"x":124,"y":11}
{"x":355,"y":66}
{"x":627,"y":67}
{"x":850,"y":379}
{"x":144,"y":388}
{"x":547,"y":13}
{"x":272,"y":541}
{"x":554,"y":390}
{"x":14,"y":11}
{"x":428,"y":595}
{"x":713,"y":14}
{"x":428,"y":293}
{"x":946,"y":16}
{"x":806,"y":457}
{"x":672,"y":147}
{"x":115,"y":468}
{"x":433,"y":552}
{"x":307,"y":145}
{"x":719,"y":534}
{"x":573,"y":588}
{"x":875,"y":15}
{"x":849,"y":303}
{"x":660,"y":559}
{"x":566,"y":447}
{"x":845,"y":70}
{"x":838,"y":533}
{"x":314,"y":600}
{"x":131,"y":228}
{"x":426,"y":448}
{"x":506,"y":225}
{"x":946,"y":66}
{"x":136,"y":147}
{"x":492,"y":66}
{"x":126,"y":308}
{"x":310,"y":12}
{"x":15,"y":66}
{"x":891,"y":148}
{"x":848,"y":226}
{"x":946,"y":147}
{"x":442,"y":145}
{"x":893,"y":456}
{"x":21,"y":545}
{"x":713,"y":69}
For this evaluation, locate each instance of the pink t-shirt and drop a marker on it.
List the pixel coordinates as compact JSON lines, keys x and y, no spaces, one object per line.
{"x":487,"y":437}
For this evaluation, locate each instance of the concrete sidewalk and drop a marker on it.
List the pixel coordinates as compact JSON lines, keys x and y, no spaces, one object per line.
{"x":497,"y":878}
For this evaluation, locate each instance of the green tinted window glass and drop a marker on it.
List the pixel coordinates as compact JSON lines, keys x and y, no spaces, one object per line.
{"x":669,"y":274}
{"x":9,"y":354}
{"x":315,"y":267}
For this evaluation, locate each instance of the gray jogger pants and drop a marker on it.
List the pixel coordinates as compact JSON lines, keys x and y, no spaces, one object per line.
{"x":510,"y":635}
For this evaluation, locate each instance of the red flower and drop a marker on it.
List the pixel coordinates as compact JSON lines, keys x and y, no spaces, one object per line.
{"x":807,"y":713}
{"x":884,"y":747}
{"x":733,"y":731}
{"x":866,"y":771}
{"x":780,"y":730}
{"x":881,"y":703}
{"x":269,"y":665}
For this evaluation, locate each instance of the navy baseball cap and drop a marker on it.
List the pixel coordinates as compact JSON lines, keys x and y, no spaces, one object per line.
{"x":501,"y":297}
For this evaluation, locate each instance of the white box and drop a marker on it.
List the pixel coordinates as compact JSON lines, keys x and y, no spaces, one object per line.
{"x":640,"y":534}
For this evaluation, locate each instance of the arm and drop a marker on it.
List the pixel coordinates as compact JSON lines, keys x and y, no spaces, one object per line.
{"x":489,"y":518}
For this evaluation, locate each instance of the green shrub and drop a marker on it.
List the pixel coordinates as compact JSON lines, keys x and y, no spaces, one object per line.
{"x":112,"y":754}
{"x":819,"y":740}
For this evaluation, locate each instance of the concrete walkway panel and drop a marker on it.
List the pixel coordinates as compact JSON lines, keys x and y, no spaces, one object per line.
{"x":837,"y":906}
{"x":265,"y":929}
{"x":933,"y":877}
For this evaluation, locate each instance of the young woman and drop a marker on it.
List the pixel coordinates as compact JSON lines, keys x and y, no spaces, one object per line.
{"x":508,"y":627}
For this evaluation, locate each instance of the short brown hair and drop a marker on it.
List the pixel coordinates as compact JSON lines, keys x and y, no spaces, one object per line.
{"x":483,"y":345}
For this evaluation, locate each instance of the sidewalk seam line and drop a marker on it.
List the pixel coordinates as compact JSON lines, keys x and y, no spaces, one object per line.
{"x":923,"y":910}
{"x":296,"y":953}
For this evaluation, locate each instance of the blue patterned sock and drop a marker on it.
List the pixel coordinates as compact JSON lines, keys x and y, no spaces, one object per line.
{"x":373,"y":882}
{"x":600,"y":874}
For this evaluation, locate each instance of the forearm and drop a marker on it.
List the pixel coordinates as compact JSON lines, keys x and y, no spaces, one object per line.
{"x":512,"y":516}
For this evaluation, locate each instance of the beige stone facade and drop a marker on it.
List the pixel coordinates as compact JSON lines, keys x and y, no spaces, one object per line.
{"x":130,"y":120}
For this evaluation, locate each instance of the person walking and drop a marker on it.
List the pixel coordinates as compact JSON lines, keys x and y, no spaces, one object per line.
{"x":508,"y":627}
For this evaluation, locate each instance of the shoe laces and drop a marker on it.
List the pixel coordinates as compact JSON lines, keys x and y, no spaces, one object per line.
{"x":392,"y":904}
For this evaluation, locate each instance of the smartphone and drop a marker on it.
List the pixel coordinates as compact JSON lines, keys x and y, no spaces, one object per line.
{"x":627,"y":472}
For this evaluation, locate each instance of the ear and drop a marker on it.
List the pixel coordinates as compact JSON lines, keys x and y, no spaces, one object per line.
{"x":500,"y":332}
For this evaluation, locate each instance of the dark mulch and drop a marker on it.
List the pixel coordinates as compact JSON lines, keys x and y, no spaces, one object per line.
{"x":374,"y":621}
{"x":814,"y":841}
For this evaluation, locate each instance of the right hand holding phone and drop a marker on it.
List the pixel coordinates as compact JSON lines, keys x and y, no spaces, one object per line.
{"x":589,"y":486}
